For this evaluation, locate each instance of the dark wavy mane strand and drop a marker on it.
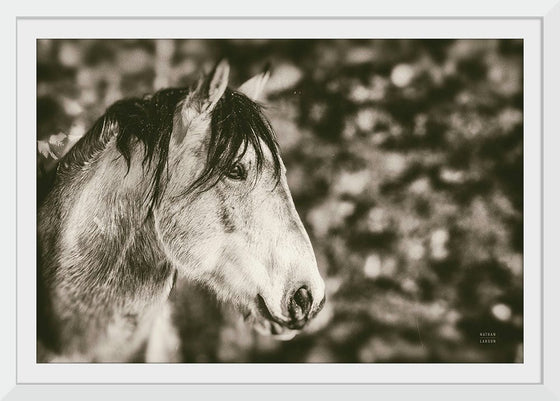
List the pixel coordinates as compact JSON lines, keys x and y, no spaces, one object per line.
{"x":236,"y":123}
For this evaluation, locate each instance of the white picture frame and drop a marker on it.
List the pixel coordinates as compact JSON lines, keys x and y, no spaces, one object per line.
{"x":539,"y":18}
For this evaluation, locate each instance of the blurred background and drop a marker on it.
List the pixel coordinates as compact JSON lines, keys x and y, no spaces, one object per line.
{"x":405,"y":161}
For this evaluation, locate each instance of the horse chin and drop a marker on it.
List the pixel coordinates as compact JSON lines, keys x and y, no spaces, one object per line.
{"x":263,"y":322}
{"x":272,"y":329}
{"x":269,"y":328}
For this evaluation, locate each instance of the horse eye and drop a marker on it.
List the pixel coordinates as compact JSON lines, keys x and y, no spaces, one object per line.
{"x":237,"y":172}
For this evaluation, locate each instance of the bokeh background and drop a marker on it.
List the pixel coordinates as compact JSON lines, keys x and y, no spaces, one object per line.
{"x":405,"y":161}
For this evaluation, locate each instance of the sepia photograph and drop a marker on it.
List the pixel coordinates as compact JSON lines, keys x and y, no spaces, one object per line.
{"x":318,"y":201}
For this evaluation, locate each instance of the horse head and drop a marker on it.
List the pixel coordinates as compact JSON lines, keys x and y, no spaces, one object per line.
{"x":226,"y":218}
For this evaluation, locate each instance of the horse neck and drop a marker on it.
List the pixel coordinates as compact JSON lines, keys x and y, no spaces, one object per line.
{"x":105,"y":248}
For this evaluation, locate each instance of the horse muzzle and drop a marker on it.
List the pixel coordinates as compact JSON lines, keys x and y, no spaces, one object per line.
{"x":299,"y":307}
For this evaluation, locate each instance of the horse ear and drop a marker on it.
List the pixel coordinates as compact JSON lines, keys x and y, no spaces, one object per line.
{"x":200,"y":102}
{"x":209,"y":90}
{"x":218,"y":83}
{"x":215,"y":85}
{"x":253,"y":88}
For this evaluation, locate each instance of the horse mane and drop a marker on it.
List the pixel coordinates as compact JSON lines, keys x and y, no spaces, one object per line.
{"x":236,"y":122}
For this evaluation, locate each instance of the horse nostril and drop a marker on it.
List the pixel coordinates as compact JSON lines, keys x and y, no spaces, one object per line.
{"x":300,"y":304}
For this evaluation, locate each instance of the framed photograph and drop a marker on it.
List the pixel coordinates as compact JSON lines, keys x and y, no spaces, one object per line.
{"x":341,"y":201}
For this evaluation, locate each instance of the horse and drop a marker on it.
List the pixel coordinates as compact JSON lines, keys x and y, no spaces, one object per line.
{"x":185,"y":183}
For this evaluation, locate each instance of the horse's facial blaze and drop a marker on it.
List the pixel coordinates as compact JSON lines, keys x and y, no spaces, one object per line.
{"x":269,"y":250}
